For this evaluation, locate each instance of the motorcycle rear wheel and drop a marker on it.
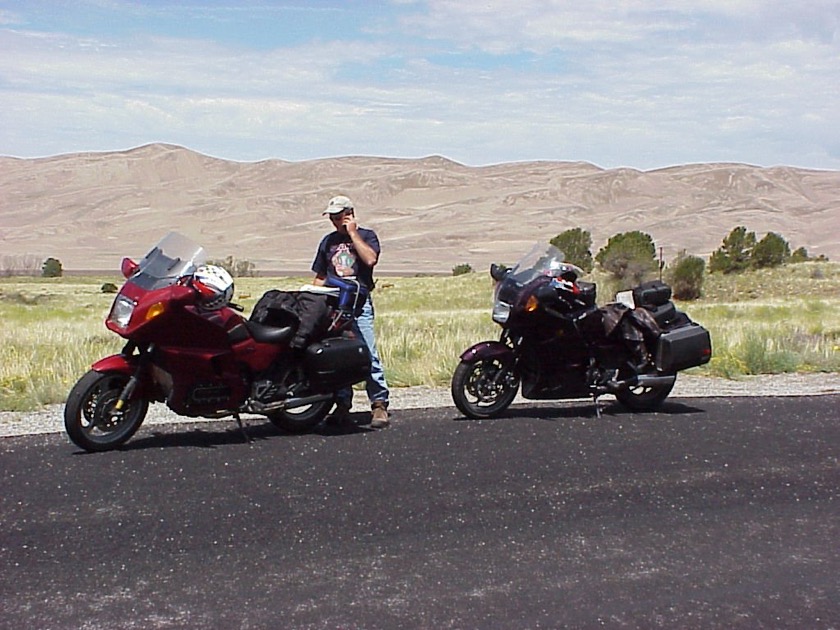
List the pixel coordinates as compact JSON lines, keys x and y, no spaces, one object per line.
{"x":300,"y":419}
{"x":90,"y":416}
{"x":644,"y":398}
{"x":483,"y":388}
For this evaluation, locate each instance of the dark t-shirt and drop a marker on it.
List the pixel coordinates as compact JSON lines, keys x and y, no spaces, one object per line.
{"x":337,"y":256}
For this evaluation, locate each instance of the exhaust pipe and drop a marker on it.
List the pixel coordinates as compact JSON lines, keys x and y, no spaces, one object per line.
{"x":641,"y":380}
{"x":254,"y":406}
{"x":308,"y":400}
{"x":645,"y":380}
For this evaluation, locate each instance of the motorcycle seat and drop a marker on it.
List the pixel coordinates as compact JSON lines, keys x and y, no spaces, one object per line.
{"x":269,"y":334}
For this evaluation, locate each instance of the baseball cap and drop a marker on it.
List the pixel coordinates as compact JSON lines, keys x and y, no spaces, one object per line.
{"x":338,"y":204}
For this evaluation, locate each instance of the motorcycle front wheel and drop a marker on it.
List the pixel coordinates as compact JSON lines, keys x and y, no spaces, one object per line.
{"x":483,"y":388}
{"x":643,"y":398}
{"x":300,"y":419}
{"x":90,"y":415}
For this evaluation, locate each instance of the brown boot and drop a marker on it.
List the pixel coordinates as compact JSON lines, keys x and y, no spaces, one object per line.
{"x":379,"y":415}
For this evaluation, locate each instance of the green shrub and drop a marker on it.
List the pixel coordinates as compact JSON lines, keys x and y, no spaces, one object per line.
{"x":51,"y":268}
{"x":630,"y":257}
{"x":460,"y":270}
{"x":685,"y":276}
{"x":770,"y":251}
{"x":576,"y":245}
{"x":735,"y":253}
{"x":758,"y":356}
{"x":799,"y":255}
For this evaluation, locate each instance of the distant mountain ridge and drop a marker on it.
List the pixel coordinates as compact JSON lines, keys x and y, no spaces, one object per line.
{"x":90,"y":209}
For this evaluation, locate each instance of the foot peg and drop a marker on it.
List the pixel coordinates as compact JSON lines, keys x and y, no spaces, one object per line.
{"x":266,"y":391}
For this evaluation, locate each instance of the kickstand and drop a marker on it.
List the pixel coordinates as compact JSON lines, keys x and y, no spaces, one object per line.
{"x":597,"y":407}
{"x":242,"y":428}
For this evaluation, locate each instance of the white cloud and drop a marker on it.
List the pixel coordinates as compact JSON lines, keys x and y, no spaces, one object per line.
{"x":633,"y":83}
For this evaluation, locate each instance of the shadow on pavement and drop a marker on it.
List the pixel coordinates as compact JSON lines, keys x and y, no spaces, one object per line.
{"x":583,"y":410}
{"x":222,"y":434}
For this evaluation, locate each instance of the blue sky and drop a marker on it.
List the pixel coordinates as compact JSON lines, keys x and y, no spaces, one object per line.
{"x":637,"y":83}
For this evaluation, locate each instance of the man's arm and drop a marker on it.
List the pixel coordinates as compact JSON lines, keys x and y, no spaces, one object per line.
{"x":367,"y":254}
{"x":319,"y":265}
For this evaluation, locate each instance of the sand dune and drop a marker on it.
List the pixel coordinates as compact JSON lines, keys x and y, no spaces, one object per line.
{"x":90,"y":209}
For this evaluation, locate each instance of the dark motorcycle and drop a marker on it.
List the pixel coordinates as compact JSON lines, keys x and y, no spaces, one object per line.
{"x":188,"y":346}
{"x":558,"y":344}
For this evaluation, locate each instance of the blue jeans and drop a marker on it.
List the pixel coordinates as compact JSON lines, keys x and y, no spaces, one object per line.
{"x":376,"y":386}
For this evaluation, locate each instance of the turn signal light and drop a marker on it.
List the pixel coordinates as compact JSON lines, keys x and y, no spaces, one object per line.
{"x":155,"y":310}
{"x":532,"y":304}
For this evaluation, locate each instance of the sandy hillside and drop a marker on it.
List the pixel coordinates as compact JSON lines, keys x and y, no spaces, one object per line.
{"x":90,"y":209}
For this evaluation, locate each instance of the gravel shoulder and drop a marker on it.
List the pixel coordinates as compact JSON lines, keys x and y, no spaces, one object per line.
{"x":50,"y":418}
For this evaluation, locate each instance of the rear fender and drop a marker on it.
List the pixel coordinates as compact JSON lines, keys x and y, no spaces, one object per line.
{"x":487,"y":350}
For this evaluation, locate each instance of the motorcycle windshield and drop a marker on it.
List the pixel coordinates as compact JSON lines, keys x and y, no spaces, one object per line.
{"x":174,"y":257}
{"x":542,"y":260}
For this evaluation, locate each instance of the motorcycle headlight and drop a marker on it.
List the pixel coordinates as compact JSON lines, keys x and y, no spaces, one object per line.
{"x":121,"y":311}
{"x":501,"y":312}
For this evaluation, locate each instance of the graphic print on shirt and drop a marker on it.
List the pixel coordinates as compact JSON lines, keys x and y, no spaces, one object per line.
{"x":344,"y":260}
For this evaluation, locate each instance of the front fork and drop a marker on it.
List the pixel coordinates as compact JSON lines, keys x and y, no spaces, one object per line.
{"x":128,"y":391}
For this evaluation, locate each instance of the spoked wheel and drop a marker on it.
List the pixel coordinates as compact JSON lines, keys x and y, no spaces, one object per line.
{"x":483,"y":388}
{"x":301,"y":419}
{"x":644,"y":398}
{"x":90,"y":415}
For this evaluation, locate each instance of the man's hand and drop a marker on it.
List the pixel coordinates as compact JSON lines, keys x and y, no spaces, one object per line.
{"x":349,"y":225}
{"x":365,"y":252}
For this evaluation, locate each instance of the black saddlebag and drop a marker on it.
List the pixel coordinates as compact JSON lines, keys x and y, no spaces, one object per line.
{"x":653,"y":293}
{"x":335,"y":363}
{"x":683,"y":348}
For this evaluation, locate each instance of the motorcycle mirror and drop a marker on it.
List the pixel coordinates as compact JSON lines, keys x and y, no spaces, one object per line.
{"x":498,"y":272}
{"x":128,"y":267}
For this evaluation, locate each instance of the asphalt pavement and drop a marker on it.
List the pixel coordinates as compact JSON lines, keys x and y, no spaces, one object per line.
{"x":711,"y":513}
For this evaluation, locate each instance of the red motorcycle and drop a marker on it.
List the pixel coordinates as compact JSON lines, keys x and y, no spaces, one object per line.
{"x":189,"y":346}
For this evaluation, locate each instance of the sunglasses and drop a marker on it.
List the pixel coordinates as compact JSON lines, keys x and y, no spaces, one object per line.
{"x":340,"y":215}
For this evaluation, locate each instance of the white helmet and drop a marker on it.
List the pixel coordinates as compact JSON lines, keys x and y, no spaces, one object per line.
{"x":214,"y":286}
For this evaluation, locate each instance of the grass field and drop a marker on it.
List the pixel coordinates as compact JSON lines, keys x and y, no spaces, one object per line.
{"x":782,"y":320}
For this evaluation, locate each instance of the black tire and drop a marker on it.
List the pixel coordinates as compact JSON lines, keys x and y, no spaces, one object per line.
{"x":483,"y":388}
{"x":644,"y":398}
{"x":89,"y":416}
{"x":301,"y":419}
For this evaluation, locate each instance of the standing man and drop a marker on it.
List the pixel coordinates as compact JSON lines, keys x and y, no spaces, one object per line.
{"x":354,"y":251}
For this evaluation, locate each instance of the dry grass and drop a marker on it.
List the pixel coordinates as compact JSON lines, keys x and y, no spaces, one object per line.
{"x":769,"y":321}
